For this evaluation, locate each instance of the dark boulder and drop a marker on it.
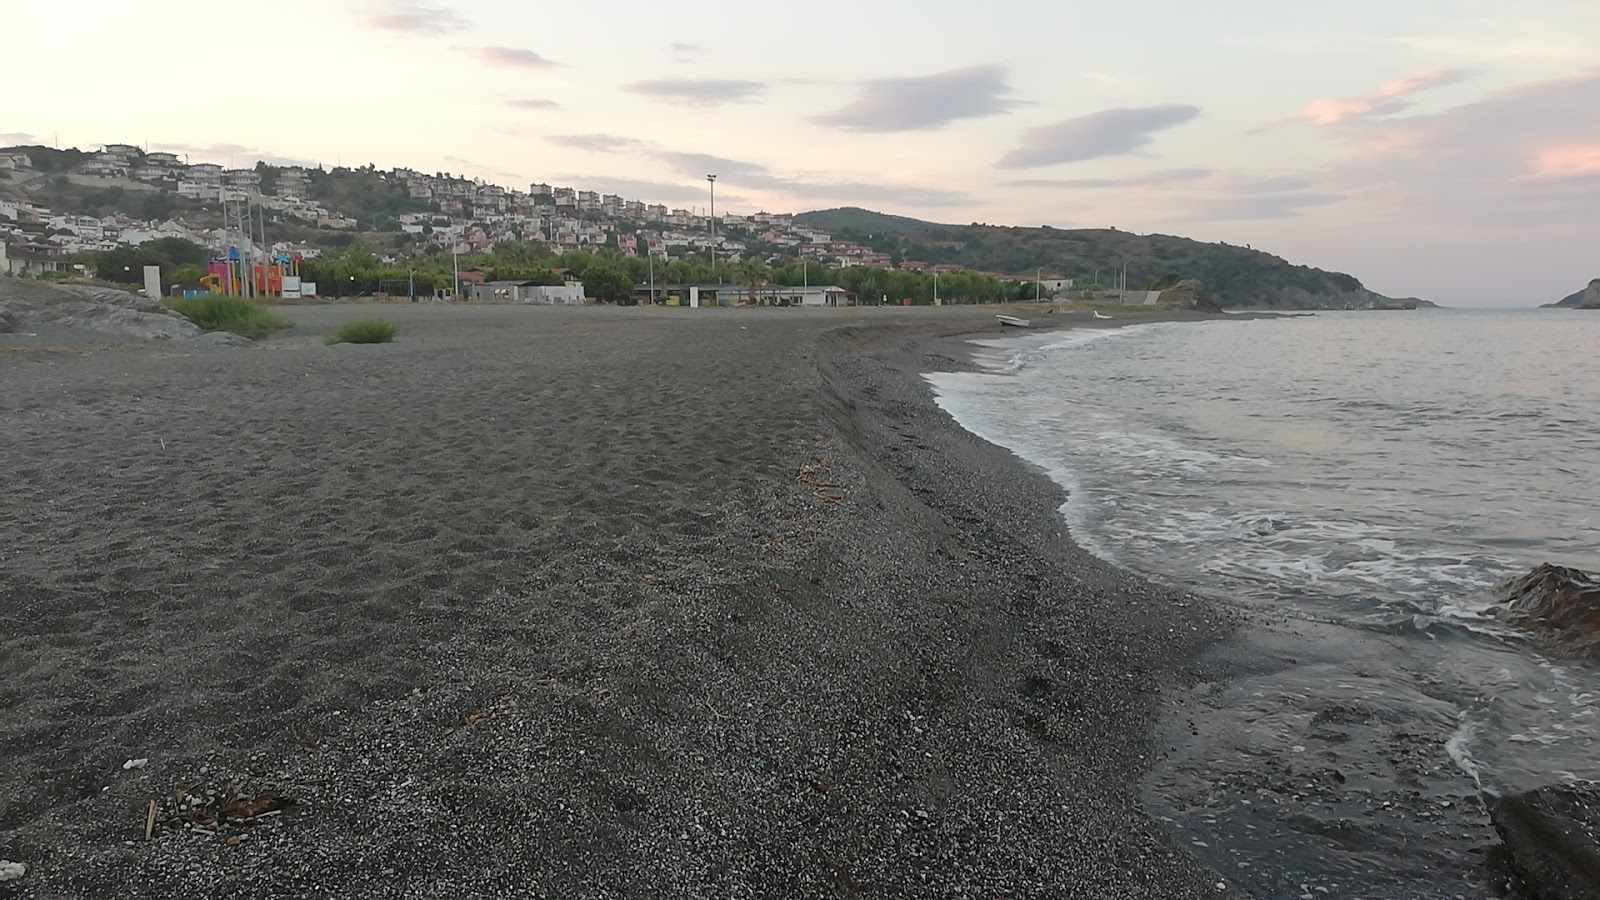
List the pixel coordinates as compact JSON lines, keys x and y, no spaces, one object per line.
{"x":1561,"y":606}
{"x":1190,"y":293}
{"x":1552,"y":836}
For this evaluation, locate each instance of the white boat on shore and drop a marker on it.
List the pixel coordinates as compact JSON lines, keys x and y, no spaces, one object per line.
{"x":1098,"y":315}
{"x":1014,"y":322}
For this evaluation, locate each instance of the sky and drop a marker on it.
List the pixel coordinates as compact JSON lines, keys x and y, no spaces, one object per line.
{"x":1446,"y":149}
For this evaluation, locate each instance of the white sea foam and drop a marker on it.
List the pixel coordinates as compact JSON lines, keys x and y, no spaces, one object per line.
{"x":1460,"y":749}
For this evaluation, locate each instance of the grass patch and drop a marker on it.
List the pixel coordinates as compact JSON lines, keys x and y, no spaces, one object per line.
{"x":364,"y":331}
{"x":219,"y":312}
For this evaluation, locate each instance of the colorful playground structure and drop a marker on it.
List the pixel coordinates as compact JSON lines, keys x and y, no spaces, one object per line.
{"x":231,"y":274}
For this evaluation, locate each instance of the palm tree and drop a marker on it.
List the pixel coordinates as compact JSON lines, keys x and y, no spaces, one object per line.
{"x":755,"y":274}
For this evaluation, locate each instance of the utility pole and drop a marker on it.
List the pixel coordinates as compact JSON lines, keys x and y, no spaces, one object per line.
{"x":935,"y":287}
{"x":713,"y":180}
{"x":1038,"y":285}
{"x":455,"y":265}
{"x":248,"y":254}
{"x":650,"y":254}
{"x":266,"y":251}
{"x":222,"y":194}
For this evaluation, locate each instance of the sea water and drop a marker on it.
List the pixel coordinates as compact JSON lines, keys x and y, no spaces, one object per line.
{"x":1377,"y":470}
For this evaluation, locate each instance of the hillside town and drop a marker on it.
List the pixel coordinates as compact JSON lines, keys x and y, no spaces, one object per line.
{"x":222,"y":208}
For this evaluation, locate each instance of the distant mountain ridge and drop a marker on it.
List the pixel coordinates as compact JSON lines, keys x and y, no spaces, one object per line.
{"x":1240,"y":276}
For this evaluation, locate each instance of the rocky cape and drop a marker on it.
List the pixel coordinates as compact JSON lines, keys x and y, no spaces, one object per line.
{"x":1237,"y":276}
{"x":1588,"y":298}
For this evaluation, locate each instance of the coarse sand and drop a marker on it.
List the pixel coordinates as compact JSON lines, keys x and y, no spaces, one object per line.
{"x":543,"y":602}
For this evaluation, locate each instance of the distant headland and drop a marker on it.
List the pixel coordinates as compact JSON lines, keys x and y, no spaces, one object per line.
{"x":1588,"y":298}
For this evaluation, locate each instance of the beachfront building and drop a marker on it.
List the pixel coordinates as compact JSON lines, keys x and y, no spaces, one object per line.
{"x":569,"y":294}
{"x":735,"y":295}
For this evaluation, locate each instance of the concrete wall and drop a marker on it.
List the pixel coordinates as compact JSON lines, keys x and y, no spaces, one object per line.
{"x":556,"y":295}
{"x":550,"y":295}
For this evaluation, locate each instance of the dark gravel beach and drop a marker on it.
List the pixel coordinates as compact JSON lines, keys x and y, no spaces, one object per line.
{"x":562,"y":603}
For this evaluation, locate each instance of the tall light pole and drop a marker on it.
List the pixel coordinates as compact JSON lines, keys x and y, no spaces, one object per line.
{"x":935,"y":287}
{"x":713,"y":180}
{"x":650,"y":254}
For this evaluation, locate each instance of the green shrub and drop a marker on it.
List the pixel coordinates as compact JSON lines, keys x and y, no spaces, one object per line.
{"x":364,"y":331}
{"x":219,"y":312}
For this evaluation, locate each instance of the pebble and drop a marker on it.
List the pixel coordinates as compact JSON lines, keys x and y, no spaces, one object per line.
{"x":139,"y":763}
{"x":11,"y":871}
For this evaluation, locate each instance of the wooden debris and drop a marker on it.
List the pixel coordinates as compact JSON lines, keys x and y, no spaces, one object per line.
{"x":826,"y":491}
{"x":242,"y":809}
{"x":211,"y":813}
{"x":503,"y":705}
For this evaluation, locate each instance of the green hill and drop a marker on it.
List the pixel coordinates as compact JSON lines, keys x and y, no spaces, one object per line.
{"x":854,"y":218}
{"x":1239,"y":275}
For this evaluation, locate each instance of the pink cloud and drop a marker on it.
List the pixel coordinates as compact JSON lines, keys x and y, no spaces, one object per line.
{"x":1388,"y":99}
{"x":512,"y":58}
{"x":1525,"y":154}
{"x":1567,"y":160}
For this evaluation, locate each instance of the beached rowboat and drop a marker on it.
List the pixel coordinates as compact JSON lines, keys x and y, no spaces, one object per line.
{"x":1014,"y":322}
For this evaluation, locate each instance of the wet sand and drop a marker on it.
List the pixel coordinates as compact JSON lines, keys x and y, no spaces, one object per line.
{"x":564,"y":603}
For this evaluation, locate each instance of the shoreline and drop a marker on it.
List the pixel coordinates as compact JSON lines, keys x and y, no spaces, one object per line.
{"x":1290,"y":807}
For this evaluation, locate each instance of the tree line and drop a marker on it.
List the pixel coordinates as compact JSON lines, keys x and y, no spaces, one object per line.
{"x":607,"y":275}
